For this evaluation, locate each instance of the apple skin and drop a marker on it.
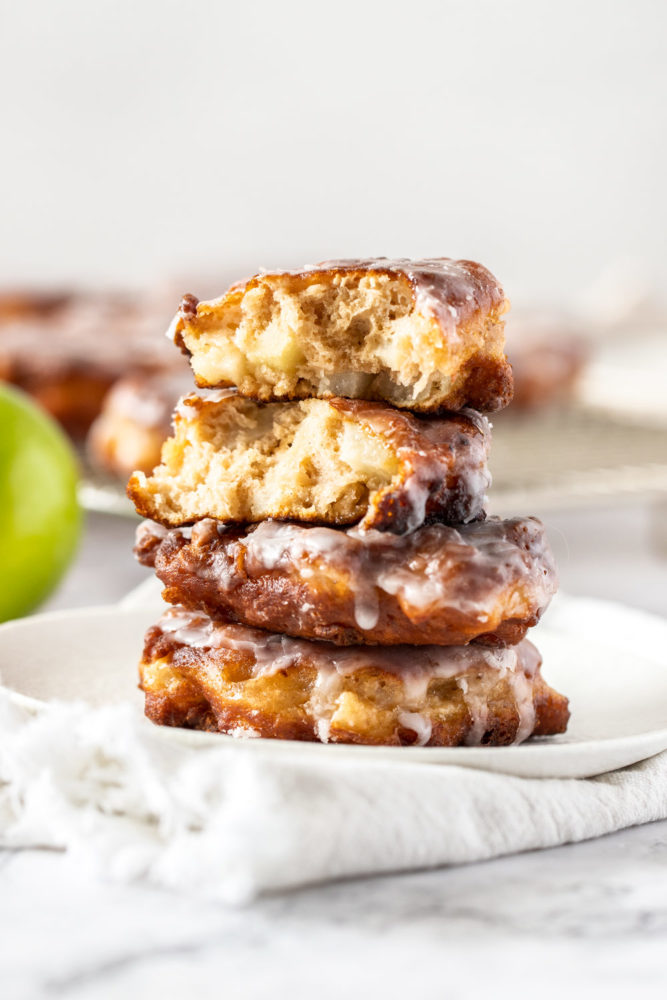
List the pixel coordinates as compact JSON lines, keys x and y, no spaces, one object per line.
{"x":40,"y":518}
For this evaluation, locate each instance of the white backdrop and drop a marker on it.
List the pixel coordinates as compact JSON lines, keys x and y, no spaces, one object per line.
{"x":143,"y":138}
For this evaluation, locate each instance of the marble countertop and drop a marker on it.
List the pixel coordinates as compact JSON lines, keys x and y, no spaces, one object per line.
{"x":589,"y":919}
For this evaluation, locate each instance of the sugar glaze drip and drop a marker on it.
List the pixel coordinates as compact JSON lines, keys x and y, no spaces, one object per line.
{"x":467,"y":568}
{"x":415,"y":666}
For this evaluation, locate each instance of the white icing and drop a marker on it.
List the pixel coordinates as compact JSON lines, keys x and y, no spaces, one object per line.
{"x":184,"y":409}
{"x":522,"y":689}
{"x":449,"y":290}
{"x":216,"y":395}
{"x":416,"y":666}
{"x":243,"y":732}
{"x":417,"y":493}
{"x":445,"y":453}
{"x":469,"y":570}
{"x":366,"y":609}
{"x":525,"y":704}
{"x":187,"y":408}
{"x":149,"y":530}
{"x":205,"y":531}
{"x":188,"y":627}
{"x":323,"y":728}
{"x":478,"y":709}
{"x":419,"y":724}
{"x":174,"y":327}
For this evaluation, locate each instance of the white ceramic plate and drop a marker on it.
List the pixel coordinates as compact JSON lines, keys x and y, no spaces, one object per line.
{"x":618,"y":695}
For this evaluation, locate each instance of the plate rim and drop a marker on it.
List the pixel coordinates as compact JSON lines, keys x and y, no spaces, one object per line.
{"x":644,"y":743}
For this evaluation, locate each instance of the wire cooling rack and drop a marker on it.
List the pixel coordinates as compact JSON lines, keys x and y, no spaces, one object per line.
{"x":574,"y":457}
{"x":540,"y":461}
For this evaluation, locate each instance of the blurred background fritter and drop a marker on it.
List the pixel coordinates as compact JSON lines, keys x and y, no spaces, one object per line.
{"x":129,"y":184}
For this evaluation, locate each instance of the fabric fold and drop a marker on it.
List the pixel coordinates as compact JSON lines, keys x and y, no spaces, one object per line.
{"x":233,"y":822}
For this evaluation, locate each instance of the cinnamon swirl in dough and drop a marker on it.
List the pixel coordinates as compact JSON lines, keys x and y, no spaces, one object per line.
{"x":424,"y":335}
{"x":336,"y":461}
{"x":485,"y":582}
{"x":232,"y":679}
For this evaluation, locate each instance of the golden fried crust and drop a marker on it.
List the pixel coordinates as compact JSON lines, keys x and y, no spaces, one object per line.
{"x":423,"y":335}
{"x":333,"y":461}
{"x":486,"y":582}
{"x":135,"y":422}
{"x":251,"y":683}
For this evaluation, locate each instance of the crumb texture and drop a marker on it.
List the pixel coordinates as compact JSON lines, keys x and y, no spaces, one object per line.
{"x":421,"y":335}
{"x":243,"y":681}
{"x":332,"y":462}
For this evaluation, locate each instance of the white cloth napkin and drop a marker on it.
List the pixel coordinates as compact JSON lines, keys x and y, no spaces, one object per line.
{"x":230,"y":824}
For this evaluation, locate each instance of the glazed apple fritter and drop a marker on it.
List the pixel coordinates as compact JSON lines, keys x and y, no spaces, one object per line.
{"x":335,"y":461}
{"x":227,"y":678}
{"x":484,"y":582}
{"x":423,"y":335}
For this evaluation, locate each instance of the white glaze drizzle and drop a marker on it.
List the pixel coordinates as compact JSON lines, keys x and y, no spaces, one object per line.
{"x":419,"y":724}
{"x":415,"y":666}
{"x":174,"y":328}
{"x":149,"y":530}
{"x":468,"y":569}
{"x":467,"y":462}
{"x":525,"y":705}
{"x":479,"y":713}
{"x":451,"y":291}
{"x":366,"y":610}
{"x":187,"y":407}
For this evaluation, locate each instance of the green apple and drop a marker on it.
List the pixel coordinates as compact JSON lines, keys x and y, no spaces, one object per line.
{"x":40,"y":520}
